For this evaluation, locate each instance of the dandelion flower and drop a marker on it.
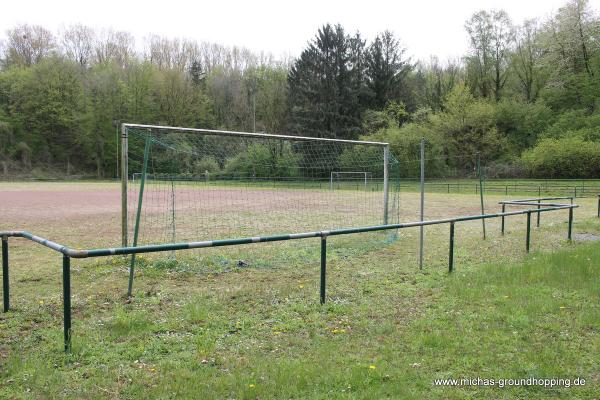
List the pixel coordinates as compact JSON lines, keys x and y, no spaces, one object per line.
{"x":41,"y":301}
{"x":252,"y":386}
{"x":372,"y":367}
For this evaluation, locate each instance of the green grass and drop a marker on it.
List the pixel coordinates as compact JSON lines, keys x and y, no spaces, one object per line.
{"x":386,"y":332}
{"x":205,"y":326}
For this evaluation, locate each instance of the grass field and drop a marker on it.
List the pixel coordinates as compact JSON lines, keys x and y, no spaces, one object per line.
{"x":202,"y":326}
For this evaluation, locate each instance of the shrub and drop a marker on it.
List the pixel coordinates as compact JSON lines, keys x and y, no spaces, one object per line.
{"x":405,"y":143}
{"x":563,"y":158}
{"x":261,"y":160}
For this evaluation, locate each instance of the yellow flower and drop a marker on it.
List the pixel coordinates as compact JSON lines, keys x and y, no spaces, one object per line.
{"x":301,"y":286}
{"x":372,"y":367}
{"x":562,"y":307}
{"x":252,"y":386}
{"x":41,"y":301}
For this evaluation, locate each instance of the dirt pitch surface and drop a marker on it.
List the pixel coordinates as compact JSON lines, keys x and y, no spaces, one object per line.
{"x":87,"y":214}
{"x":75,"y":214}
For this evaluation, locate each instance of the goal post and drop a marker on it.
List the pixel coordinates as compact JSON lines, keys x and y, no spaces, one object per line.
{"x":259,"y":183}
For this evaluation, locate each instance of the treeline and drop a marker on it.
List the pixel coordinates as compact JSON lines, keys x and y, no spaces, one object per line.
{"x":526,"y":98}
{"x":63,"y":96}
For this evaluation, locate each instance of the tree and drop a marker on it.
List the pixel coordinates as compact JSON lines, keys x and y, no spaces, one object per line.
{"x":438,"y":81}
{"x":114,"y":46}
{"x":78,"y":44}
{"x":527,"y":58}
{"x":386,"y":69}
{"x":324,"y":87}
{"x":180,"y":103}
{"x":491,"y":34}
{"x":28,"y":45}
{"x":46,"y":106}
{"x":468,"y":126}
{"x":269,"y":85}
{"x":572,"y":56}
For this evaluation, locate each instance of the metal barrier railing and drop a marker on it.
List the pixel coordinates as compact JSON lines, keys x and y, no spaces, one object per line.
{"x":533,"y":202}
{"x":68,"y":253}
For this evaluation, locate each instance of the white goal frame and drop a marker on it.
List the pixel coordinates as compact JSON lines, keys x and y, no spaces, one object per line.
{"x":366,"y":176}
{"x":125,"y":159}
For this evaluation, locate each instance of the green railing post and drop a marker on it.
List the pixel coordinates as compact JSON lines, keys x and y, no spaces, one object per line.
{"x":451,"y":249}
{"x":323,"y":267}
{"x":528,"y":235}
{"x":5,"y":281}
{"x":138,"y":213}
{"x":570,"y":232}
{"x":67,"y":301}
{"x":598,"y":205}
{"x":502,"y":223}
{"x":538,"y":214}
{"x":481,"y":191}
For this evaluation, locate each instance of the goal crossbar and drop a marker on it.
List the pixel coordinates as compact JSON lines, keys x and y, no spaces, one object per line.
{"x":252,"y":134}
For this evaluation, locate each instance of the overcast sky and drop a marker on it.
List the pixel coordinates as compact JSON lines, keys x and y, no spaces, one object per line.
{"x":425,"y":27}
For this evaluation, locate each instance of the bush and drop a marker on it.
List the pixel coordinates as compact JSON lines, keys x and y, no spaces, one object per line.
{"x":206,"y":164}
{"x":405,"y":144}
{"x":262,"y":161}
{"x":563,"y":158}
{"x":522,"y":123}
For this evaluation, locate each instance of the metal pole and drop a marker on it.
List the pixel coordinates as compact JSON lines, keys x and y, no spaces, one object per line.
{"x":598,"y":205}
{"x":538,"y":215}
{"x":67,"y":301}
{"x":422,"y":211}
{"x":451,"y":250}
{"x":323,"y":267}
{"x":5,"y":281}
{"x":569,"y":234}
{"x":502,"y":223}
{"x":138,"y":214}
{"x":116,"y":124}
{"x":481,"y":191}
{"x":528,"y":235}
{"x":173,"y":210}
{"x":386,"y":159}
{"x":254,"y":112}
{"x":124,"y":177}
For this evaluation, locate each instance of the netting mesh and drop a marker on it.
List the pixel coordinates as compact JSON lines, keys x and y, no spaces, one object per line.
{"x":208,"y":186}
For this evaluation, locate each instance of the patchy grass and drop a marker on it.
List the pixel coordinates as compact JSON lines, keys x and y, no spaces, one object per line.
{"x":205,"y":325}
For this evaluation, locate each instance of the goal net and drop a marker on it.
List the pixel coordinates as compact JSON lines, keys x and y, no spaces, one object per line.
{"x":183,"y":184}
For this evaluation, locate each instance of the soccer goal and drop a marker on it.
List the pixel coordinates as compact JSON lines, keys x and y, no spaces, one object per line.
{"x":187,"y":184}
{"x":350,"y":180}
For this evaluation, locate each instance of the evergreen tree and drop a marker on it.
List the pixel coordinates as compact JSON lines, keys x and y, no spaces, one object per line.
{"x":325,"y":86}
{"x":386,"y":70}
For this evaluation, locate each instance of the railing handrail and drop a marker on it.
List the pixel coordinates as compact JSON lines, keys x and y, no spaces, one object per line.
{"x":102,"y":252}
